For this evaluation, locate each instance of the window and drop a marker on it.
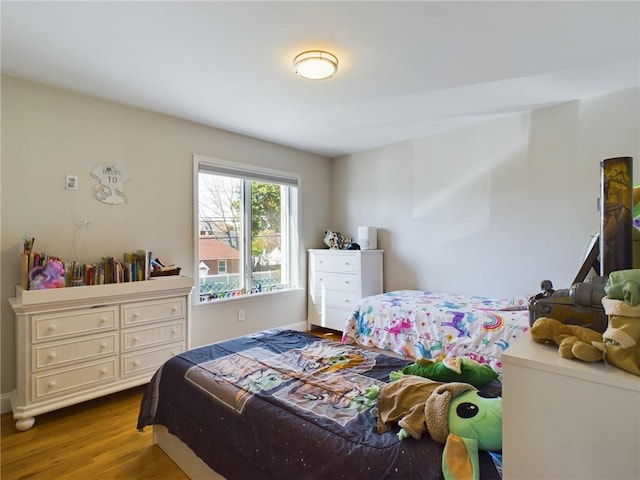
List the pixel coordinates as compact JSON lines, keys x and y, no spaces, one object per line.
{"x":246,"y":229}
{"x":222,"y":266}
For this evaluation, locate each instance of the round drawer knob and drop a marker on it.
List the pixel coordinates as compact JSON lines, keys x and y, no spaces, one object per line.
{"x":103,"y":371}
{"x":135,"y":339}
{"x":103,"y":346}
{"x":135,"y":315}
{"x":52,"y":356}
{"x":52,"y":384}
{"x":136,"y":363}
{"x":174,"y":309}
{"x":173,"y":331}
{"x":103,"y":319}
{"x":52,"y":327}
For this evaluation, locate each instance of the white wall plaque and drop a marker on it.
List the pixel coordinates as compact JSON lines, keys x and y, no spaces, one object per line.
{"x":110,"y":190}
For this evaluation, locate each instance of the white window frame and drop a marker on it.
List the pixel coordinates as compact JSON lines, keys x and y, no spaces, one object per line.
{"x":291,"y":228}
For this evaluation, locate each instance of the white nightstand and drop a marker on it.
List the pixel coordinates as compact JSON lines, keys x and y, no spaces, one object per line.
{"x":567,"y":418}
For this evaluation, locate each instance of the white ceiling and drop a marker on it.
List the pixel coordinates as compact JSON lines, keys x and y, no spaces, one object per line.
{"x":407,"y":69}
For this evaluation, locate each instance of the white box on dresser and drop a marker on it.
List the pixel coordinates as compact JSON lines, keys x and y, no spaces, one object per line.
{"x":338,"y":279}
{"x":564,"y":418}
{"x":78,"y":343}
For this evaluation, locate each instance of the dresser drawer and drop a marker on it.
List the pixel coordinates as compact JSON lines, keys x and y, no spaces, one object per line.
{"x":334,"y":298}
{"x":149,"y":360}
{"x":86,"y":348}
{"x":147,"y":312}
{"x":59,"y":325}
{"x":345,"y":282}
{"x":74,"y":379}
{"x":135,"y":338}
{"x":328,"y":317}
{"x":336,"y":263}
{"x":315,"y":312}
{"x":336,"y":318}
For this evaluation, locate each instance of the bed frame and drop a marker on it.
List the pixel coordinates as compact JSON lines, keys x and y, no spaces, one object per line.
{"x":182,"y":455}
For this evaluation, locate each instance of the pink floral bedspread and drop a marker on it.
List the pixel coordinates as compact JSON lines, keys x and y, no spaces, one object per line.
{"x":432,"y":325}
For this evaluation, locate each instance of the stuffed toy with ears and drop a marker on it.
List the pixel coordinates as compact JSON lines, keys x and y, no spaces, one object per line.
{"x":455,"y":414}
{"x":573,"y":341}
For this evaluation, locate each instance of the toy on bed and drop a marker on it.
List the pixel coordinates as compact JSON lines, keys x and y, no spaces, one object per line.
{"x":455,"y":414}
{"x":573,"y":341}
{"x":452,"y":369}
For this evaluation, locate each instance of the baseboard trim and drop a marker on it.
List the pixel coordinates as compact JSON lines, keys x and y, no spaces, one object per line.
{"x":300,"y":326}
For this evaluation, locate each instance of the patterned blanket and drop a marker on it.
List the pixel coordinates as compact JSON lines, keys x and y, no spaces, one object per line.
{"x":419,"y":324}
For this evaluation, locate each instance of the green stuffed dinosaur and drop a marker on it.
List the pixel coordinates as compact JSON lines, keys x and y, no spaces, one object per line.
{"x":454,"y":414}
{"x":453,"y":369}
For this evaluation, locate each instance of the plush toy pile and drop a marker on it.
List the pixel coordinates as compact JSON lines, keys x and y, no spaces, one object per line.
{"x":453,"y":413}
{"x":619,"y":345}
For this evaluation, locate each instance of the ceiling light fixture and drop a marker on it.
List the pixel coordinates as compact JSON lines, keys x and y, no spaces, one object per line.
{"x":315,"y":64}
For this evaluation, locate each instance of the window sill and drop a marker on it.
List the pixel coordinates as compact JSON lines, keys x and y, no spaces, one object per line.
{"x":254,"y":297}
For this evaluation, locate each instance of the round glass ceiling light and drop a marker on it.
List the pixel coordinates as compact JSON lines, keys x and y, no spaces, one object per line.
{"x":315,"y":64}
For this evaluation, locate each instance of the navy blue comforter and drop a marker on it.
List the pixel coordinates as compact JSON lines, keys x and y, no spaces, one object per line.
{"x":287,"y":405}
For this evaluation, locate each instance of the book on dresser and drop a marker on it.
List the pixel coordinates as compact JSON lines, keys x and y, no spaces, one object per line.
{"x":338,"y":279}
{"x":78,"y":343}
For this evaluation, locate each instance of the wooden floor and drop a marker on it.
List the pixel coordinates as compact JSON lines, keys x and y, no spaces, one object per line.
{"x":326,"y":333}
{"x":93,"y":440}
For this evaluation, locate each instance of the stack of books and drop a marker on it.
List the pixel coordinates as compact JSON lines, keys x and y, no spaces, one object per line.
{"x":134,"y":267}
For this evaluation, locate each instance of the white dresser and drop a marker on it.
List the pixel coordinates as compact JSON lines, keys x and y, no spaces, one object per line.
{"x":338,"y":279}
{"x":567,"y":419}
{"x":78,"y":343}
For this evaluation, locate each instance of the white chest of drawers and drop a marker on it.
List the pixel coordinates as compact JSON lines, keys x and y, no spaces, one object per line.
{"x":78,"y":343}
{"x":338,"y":279}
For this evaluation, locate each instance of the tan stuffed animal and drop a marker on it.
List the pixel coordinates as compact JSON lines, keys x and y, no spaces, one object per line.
{"x":573,"y":341}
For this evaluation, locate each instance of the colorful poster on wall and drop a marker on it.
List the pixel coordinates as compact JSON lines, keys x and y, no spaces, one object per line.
{"x":112,"y":178}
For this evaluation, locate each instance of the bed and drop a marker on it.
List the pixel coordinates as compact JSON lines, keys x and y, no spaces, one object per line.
{"x":288,"y":405}
{"x":418,"y":324}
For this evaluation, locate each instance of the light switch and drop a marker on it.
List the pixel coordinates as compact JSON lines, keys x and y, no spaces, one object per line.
{"x":71,"y":182}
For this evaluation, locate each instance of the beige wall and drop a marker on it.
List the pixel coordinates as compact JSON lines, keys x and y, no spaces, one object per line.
{"x":490,"y":209}
{"x":48,"y":132}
